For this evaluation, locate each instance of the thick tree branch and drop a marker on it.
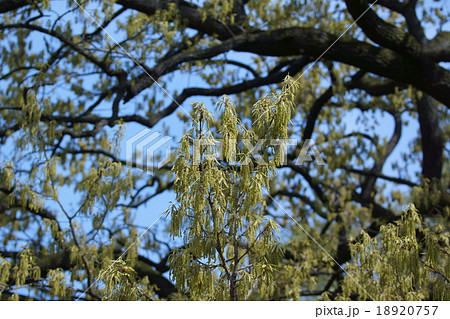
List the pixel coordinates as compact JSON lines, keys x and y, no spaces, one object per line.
{"x":38,"y":211}
{"x":375,"y":87}
{"x":438,"y":49}
{"x":9,"y":5}
{"x":380,"y":31}
{"x":378,"y":175}
{"x":429,"y":77}
{"x":431,"y":137}
{"x":188,"y":12}
{"x":314,"y":205}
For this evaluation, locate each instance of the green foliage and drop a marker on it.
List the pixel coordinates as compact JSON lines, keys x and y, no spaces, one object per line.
{"x":230,"y":246}
{"x":245,"y":225}
{"x":121,"y":284}
{"x":408,"y":261}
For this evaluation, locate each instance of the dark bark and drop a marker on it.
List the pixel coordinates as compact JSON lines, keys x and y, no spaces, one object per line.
{"x":10,"y":5}
{"x":431,"y":137}
{"x":400,"y":57}
{"x":188,"y":12}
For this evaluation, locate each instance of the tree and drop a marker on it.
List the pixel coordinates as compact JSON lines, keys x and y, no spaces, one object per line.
{"x":255,"y":223}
